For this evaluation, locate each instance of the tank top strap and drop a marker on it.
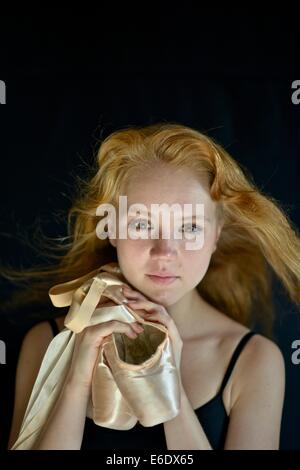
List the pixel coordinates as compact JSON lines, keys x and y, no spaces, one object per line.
{"x":54,"y":326}
{"x":234,"y":357}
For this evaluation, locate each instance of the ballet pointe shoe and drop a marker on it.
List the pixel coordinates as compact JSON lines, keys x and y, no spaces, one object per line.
{"x":145,"y":373}
{"x":109,"y":408}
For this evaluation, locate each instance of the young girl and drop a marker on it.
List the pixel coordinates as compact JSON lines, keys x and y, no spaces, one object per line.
{"x":232,"y":378}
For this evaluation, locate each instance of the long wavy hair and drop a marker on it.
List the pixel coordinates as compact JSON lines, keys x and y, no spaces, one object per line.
{"x":257,"y":238}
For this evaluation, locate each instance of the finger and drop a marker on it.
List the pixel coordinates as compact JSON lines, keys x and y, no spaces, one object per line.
{"x":128,"y":292}
{"x":151,"y":311}
{"x":130,"y":295}
{"x":116,"y":295}
{"x":142,"y":304}
{"x":157,"y":316}
{"x":115,"y":326}
{"x":137,"y":327}
{"x":127,"y":288}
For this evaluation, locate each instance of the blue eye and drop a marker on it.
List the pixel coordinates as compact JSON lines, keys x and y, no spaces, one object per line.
{"x":141,"y":225}
{"x":142,"y":222}
{"x":193,"y":225}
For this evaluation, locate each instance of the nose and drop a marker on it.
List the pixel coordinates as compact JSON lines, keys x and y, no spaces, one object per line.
{"x":163,"y":249}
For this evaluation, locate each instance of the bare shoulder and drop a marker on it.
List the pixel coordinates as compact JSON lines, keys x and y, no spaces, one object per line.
{"x":261,"y":352}
{"x":33,"y":348}
{"x":261,"y":365}
{"x":35,"y":344}
{"x":39,"y":334}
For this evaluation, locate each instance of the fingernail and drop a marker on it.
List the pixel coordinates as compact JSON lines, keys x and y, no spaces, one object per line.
{"x":125,"y":301}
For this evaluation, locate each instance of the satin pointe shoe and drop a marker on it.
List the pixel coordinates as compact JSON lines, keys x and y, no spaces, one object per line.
{"x":108,"y":408}
{"x":145,"y":372}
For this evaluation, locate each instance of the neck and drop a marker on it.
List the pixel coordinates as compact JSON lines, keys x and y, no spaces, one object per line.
{"x":187,"y":312}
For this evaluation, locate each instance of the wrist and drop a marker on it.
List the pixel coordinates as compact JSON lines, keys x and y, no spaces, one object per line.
{"x":74,"y":388}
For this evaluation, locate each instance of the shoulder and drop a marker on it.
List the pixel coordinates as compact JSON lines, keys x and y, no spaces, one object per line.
{"x":260,"y":367}
{"x":260,"y":355}
{"x":42,"y":333}
{"x":261,"y":352}
{"x":39,"y":334}
{"x":36,"y":342}
{"x":34,"y":346}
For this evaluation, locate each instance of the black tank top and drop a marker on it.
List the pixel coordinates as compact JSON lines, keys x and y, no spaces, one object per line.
{"x":212,"y":416}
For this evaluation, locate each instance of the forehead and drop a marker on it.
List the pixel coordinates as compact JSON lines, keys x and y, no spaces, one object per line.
{"x":168,"y":186}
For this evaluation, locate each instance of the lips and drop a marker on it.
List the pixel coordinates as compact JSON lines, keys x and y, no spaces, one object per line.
{"x":162,"y":274}
{"x":163,"y":279}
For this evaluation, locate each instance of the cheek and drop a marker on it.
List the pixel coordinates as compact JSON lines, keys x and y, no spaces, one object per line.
{"x":130,"y":258}
{"x":131,"y":249}
{"x":198,"y":264}
{"x":197,"y":261}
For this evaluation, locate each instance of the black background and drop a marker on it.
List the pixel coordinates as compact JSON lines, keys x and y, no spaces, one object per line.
{"x":71,"y":79}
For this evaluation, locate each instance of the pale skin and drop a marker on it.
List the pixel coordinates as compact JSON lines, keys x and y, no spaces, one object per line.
{"x":203,"y":338}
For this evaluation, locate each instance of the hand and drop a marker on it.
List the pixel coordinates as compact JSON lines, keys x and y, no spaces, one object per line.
{"x":156,"y":313}
{"x":87,"y":344}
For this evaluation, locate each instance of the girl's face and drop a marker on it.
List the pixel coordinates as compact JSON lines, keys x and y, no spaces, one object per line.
{"x":138,"y":258}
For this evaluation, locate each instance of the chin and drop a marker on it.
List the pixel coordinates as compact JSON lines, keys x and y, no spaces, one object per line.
{"x":163,"y":299}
